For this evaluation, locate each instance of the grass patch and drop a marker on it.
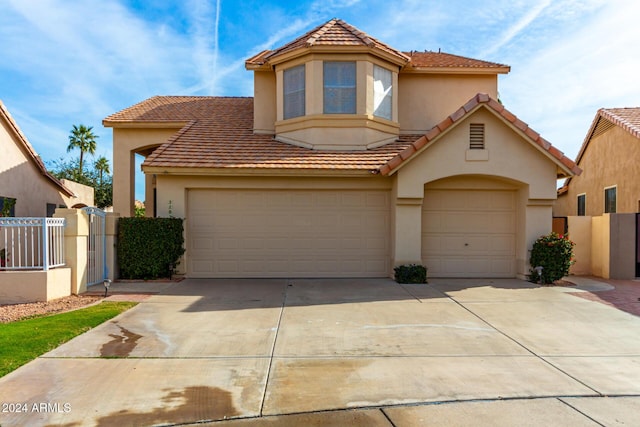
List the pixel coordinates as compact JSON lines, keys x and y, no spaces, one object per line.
{"x":24,"y":340}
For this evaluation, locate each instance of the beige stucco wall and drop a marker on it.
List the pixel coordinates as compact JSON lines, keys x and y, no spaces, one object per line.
{"x":600,"y":245}
{"x":264,"y":101}
{"x":127,"y":142}
{"x":82,"y":194}
{"x":32,"y":286}
{"x":610,"y":159}
{"x":510,"y":159}
{"x":580,"y":233}
{"x":427,"y":99}
{"x":21,"y":179}
{"x":562,"y":206}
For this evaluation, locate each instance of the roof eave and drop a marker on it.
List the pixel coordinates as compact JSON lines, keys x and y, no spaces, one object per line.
{"x":306,"y":50}
{"x":566,"y":167}
{"x":255,"y":171}
{"x":456,"y":70}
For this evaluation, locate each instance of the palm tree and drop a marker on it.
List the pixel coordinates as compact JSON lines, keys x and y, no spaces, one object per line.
{"x":84,"y":139}
{"x":102,"y":166}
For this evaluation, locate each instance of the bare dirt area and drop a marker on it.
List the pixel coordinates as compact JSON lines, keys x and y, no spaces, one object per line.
{"x":13,"y":312}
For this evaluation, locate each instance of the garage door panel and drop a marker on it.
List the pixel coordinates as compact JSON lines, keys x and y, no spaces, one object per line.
{"x":246,"y":233}
{"x":469,"y":233}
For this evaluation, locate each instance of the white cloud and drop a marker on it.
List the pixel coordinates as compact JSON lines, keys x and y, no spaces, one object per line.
{"x":516,"y":28}
{"x":561,"y":85}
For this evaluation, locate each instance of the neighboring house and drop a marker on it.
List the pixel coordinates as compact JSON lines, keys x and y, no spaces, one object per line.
{"x":352,"y":157}
{"x":25,"y":180}
{"x":610,"y":158}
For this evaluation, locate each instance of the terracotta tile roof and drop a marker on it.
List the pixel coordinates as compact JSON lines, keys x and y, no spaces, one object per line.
{"x":218,"y":133}
{"x":627,"y":118}
{"x":4,"y":114}
{"x":335,"y":32}
{"x":427,"y":59}
{"x":476,"y":102}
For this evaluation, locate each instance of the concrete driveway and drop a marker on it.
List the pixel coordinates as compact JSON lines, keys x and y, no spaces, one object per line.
{"x":341,"y":352}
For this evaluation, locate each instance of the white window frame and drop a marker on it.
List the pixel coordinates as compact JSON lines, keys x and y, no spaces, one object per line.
{"x":615,"y":207}
{"x":292,"y":105}
{"x":584,"y":195}
{"x":335,"y":93}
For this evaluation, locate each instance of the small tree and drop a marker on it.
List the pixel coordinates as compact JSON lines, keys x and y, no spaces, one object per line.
{"x":83,"y":138}
{"x":554,"y":253}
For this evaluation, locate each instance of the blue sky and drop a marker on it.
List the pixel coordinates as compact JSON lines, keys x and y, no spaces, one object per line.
{"x":66,"y":62}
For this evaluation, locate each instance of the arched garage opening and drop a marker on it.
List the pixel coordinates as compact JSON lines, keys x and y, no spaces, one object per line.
{"x":471,"y":226}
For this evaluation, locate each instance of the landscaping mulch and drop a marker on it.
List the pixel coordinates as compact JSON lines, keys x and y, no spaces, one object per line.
{"x":13,"y":312}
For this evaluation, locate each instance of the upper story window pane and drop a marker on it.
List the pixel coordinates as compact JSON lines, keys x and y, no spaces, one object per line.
{"x":610,"y":200}
{"x":294,"y":83}
{"x":582,"y":204}
{"x":382,"y":92}
{"x":339,"y":87}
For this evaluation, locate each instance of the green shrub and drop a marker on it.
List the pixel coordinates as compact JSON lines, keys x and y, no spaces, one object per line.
{"x":554,"y":253}
{"x":411,"y":273}
{"x":149,"y":247}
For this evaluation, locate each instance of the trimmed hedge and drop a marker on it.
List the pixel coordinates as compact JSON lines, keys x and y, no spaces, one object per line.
{"x":147,"y":247}
{"x":411,"y":273}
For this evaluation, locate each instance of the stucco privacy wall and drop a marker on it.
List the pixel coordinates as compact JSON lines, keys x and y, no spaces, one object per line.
{"x":623,"y":246}
{"x":510,"y":158}
{"x":173,"y":190}
{"x":605,"y":245}
{"x":579,"y":230}
{"x":128,"y":142}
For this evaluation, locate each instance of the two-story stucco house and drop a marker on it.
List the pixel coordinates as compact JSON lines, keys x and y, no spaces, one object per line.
{"x":609,"y":156}
{"x":25,"y":183}
{"x":351,"y":157}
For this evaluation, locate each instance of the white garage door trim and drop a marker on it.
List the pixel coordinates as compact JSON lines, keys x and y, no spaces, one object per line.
{"x":288,"y":233}
{"x":469,"y":233}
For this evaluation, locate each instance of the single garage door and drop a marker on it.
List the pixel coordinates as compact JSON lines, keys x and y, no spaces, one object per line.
{"x":293,"y":233}
{"x":469,"y":233}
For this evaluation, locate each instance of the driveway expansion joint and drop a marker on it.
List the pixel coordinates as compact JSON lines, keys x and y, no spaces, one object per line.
{"x":533,"y":353}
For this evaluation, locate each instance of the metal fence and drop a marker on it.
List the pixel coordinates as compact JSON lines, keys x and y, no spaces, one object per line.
{"x":96,"y":246}
{"x":31,"y":243}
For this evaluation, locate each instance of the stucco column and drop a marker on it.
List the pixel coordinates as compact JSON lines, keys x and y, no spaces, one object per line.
{"x":408,"y":231}
{"x":76,"y":232}
{"x":123,"y":181}
{"x":111,"y":236}
{"x":149,"y":201}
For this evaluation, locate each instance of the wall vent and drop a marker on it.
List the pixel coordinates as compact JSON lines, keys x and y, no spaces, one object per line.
{"x":476,"y":136}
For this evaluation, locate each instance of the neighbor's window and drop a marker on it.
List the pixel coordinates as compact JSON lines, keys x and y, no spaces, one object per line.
{"x":382,"y":93}
{"x":476,"y":136}
{"x":582,"y":204}
{"x":294,"y":83}
{"x":7,"y":206}
{"x":339,"y":87}
{"x":51,"y":209}
{"x":610,"y":200}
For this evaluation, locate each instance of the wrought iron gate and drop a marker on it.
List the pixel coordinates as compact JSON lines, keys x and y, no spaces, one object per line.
{"x":96,"y":247}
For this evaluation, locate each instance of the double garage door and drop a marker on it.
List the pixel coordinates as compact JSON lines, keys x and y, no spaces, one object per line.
{"x":292,"y":233}
{"x":469,"y":233}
